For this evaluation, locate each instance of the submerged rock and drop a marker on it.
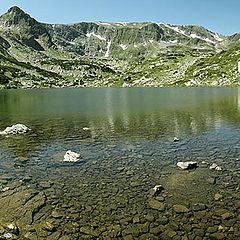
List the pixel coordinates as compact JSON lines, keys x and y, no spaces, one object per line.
{"x":187,"y":165}
{"x":154,"y":204}
{"x":71,"y":156}
{"x":218,"y":196}
{"x":15,"y":129}
{"x":180,"y":208}
{"x":48,"y":226}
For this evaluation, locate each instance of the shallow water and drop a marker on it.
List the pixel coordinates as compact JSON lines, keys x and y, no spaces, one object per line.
{"x":128,"y":150}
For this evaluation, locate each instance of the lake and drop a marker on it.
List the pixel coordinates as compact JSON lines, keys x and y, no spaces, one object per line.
{"x":127,"y":150}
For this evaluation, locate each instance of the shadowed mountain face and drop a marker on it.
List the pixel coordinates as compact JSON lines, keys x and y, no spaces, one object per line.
{"x":110,"y":54}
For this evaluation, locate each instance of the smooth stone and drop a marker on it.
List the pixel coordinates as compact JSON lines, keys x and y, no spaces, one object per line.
{"x":154,"y":204}
{"x":120,"y":169}
{"x":211,"y":180}
{"x":149,"y":218}
{"x":71,"y":156}
{"x":128,"y":237}
{"x":135,"y":184}
{"x":88,"y":231}
{"x":163,"y":220}
{"x":148,"y":236}
{"x":56,"y":214}
{"x":187,"y":165}
{"x":45,"y":184}
{"x":227,"y":216}
{"x":170,"y":233}
{"x":212,"y":229}
{"x":199,"y":207}
{"x":180,"y":208}
{"x":48,"y":226}
{"x":15,"y":129}
{"x":217,"y":197}
{"x":156,"y":230}
{"x":136,"y":219}
{"x":214,"y":166}
{"x":217,"y":236}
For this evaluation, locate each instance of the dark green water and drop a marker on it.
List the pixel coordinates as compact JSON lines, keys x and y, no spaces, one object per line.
{"x":128,"y":150}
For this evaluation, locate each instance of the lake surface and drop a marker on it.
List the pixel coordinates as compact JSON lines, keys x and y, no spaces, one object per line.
{"x":127,"y":151}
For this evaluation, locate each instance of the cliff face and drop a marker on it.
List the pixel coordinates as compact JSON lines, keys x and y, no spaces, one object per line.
{"x":128,"y":39}
{"x":148,"y":53}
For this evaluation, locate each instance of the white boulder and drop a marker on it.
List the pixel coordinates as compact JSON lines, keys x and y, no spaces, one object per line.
{"x":175,"y":139}
{"x":214,"y":166}
{"x":187,"y":165}
{"x":71,"y":156}
{"x":15,"y":129}
{"x":157,"y":189}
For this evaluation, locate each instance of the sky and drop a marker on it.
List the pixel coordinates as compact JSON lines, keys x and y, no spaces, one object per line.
{"x":220,"y":16}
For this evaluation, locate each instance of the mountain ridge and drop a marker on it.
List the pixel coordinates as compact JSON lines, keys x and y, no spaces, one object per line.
{"x":113,"y":46}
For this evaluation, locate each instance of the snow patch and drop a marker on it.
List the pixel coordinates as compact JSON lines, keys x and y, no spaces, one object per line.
{"x":176,"y":29}
{"x":193,"y":35}
{"x":170,"y":42}
{"x":95,"y":35}
{"x":104,"y":24}
{"x":217,"y":37}
{"x":108,"y":49}
{"x":122,"y":23}
{"x":123,"y":46}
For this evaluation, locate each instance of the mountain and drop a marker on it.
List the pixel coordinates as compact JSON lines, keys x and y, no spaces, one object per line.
{"x":35,"y":54}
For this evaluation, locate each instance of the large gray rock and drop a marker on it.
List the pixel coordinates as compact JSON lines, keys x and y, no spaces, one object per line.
{"x":15,"y":129}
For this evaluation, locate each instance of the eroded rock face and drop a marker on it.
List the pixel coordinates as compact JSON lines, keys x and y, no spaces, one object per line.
{"x":71,"y":156}
{"x":15,"y":129}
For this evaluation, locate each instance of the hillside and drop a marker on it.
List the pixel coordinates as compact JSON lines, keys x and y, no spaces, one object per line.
{"x":35,"y":54}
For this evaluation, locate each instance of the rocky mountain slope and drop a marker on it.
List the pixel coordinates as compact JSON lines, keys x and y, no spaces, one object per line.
{"x":34,"y":54}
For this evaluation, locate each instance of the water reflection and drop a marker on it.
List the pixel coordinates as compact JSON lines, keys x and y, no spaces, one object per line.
{"x":57,"y":115}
